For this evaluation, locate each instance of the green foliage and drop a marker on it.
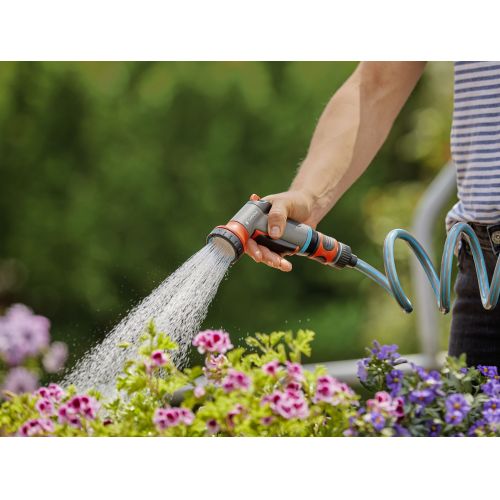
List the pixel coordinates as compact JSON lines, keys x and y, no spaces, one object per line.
{"x":144,"y":387}
{"x":265,"y":392}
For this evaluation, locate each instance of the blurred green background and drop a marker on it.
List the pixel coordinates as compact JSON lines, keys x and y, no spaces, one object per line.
{"x":111,"y":175}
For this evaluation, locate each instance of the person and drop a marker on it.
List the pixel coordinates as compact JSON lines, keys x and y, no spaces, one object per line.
{"x":351,"y":130}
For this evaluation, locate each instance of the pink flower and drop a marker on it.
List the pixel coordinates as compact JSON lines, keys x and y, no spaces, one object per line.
{"x":383,"y":401}
{"x":67,"y":415}
{"x":215,"y":366}
{"x":294,"y":371}
{"x":331,"y":390}
{"x":171,"y":417}
{"x":78,"y":406}
{"x":36,"y":427}
{"x":212,"y":426}
{"x":53,"y":392}
{"x":199,"y":391}
{"x":85,"y":406}
{"x":266,"y":420}
{"x":271,"y":368}
{"x":237,"y":410}
{"x":399,"y":410}
{"x":293,"y":386}
{"x":235,"y":380}
{"x":45,"y":407}
{"x":215,"y":341}
{"x":288,"y":404}
{"x":159,"y":358}
{"x":187,"y":416}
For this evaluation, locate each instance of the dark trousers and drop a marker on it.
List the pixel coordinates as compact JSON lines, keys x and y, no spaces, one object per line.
{"x":474,"y":330}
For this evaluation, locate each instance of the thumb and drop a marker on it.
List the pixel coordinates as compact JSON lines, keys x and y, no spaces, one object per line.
{"x":277,"y":218}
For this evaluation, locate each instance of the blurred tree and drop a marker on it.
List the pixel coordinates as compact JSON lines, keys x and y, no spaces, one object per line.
{"x":113,"y":173}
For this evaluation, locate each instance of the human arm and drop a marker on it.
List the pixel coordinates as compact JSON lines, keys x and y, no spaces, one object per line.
{"x":350,"y":132}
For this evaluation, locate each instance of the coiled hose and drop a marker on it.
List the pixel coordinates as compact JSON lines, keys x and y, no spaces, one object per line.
{"x":441,"y":284}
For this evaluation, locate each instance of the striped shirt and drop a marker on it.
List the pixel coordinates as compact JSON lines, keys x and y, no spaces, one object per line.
{"x":475,"y":143}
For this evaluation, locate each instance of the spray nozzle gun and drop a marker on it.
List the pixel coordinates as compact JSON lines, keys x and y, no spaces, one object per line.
{"x":300,"y":239}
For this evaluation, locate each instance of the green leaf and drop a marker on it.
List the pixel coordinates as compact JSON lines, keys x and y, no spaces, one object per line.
{"x":276,"y":337}
{"x":165,"y":342}
{"x":253,"y":342}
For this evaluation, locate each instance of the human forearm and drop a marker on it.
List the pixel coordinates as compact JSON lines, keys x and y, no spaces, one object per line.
{"x":351,"y":130}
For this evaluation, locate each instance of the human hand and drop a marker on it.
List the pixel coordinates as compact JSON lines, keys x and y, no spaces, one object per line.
{"x":295,"y":205}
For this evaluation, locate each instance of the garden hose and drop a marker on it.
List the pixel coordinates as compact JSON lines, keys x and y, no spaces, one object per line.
{"x":300,"y":239}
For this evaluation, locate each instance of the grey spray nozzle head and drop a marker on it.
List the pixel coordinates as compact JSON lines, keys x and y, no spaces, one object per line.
{"x":252,"y":216}
{"x":228,"y":240}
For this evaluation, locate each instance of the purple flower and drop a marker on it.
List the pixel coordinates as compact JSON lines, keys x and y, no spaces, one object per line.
{"x":36,"y":427}
{"x":172,"y":417}
{"x":400,"y":431}
{"x":422,"y":397}
{"x":394,"y":380}
{"x":434,"y":428}
{"x":215,"y":341}
{"x":235,"y":380}
{"x":478,"y":428}
{"x":457,"y":402}
{"x":20,"y":380}
{"x":457,"y":409}
{"x":159,"y":358}
{"x":492,"y":417}
{"x":376,"y":419}
{"x":294,"y":371}
{"x":213,"y":426}
{"x":432,"y":380}
{"x":54,"y":359}
{"x":22,"y":334}
{"x":271,"y":368}
{"x":491,"y":411}
{"x":362,"y":369}
{"x":491,"y":388}
{"x":385,"y":352}
{"x":492,"y":404}
{"x":488,"y":371}
{"x":454,"y":417}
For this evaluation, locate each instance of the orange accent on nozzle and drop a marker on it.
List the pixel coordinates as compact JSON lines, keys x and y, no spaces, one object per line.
{"x":238,"y":230}
{"x":322,"y":254}
{"x":254,"y":197}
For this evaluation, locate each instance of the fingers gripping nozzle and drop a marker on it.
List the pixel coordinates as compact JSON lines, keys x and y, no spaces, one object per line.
{"x":251,"y":221}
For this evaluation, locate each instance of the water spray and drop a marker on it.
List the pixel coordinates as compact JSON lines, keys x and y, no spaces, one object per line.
{"x":251,"y":221}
